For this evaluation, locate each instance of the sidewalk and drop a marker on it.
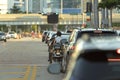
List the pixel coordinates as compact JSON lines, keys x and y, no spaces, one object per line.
{"x":25,"y":39}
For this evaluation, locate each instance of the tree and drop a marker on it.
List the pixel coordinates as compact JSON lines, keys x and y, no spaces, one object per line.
{"x":109,"y":4}
{"x":15,"y":9}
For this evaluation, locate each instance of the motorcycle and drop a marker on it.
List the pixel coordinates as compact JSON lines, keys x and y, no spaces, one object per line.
{"x":57,"y":53}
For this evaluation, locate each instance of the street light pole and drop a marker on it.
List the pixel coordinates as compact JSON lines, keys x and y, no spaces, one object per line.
{"x":26,"y":6}
{"x":61,"y":6}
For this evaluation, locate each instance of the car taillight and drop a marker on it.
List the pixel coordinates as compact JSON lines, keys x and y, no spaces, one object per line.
{"x":118,"y":51}
{"x":114,"y":60}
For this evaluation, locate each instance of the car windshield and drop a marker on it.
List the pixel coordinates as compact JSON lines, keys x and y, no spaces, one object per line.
{"x":11,"y":32}
{"x":65,"y":36}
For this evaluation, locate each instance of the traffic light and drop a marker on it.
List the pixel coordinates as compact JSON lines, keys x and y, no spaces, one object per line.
{"x":89,"y":7}
{"x":52,"y":18}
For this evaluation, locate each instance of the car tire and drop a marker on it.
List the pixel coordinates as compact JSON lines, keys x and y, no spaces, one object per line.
{"x":67,"y":60}
{"x":63,"y":66}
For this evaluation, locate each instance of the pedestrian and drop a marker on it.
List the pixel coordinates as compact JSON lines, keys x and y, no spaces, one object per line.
{"x":33,"y":34}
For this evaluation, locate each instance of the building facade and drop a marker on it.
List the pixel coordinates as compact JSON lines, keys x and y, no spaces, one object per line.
{"x":3,"y":6}
{"x":6,"y":5}
{"x":56,"y":6}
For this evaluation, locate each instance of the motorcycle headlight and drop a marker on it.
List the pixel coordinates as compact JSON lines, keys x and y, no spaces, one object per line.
{"x":58,"y":53}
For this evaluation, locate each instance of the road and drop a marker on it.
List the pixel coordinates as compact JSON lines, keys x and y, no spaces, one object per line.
{"x":25,"y":59}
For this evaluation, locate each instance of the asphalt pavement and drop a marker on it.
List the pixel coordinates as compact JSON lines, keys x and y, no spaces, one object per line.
{"x":25,"y":59}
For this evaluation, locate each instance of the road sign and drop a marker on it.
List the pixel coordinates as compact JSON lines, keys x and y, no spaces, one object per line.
{"x":71,"y":11}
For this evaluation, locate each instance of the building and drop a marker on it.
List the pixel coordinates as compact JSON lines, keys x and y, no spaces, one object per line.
{"x":56,"y":6}
{"x":71,"y":3}
{"x":3,"y":6}
{"x":47,"y":6}
{"x":20,"y":4}
{"x":6,"y":5}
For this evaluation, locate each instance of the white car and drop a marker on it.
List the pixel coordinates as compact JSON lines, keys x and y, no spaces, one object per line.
{"x":12,"y":34}
{"x":8,"y":36}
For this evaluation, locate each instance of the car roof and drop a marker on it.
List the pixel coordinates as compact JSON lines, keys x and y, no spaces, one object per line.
{"x":93,"y":29}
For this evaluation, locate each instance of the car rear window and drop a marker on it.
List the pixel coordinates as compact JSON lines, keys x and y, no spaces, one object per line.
{"x":11,"y":32}
{"x":97,"y":33}
{"x":101,"y":63}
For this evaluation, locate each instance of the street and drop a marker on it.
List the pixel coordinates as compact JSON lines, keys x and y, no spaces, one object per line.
{"x":25,"y":59}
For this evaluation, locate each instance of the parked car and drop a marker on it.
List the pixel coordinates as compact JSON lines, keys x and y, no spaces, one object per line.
{"x":95,"y":59}
{"x":49,"y":36}
{"x":43,"y":35}
{"x":77,"y":33}
{"x":46,"y":37}
{"x":8,"y":36}
{"x":13,"y":34}
{"x":3,"y":36}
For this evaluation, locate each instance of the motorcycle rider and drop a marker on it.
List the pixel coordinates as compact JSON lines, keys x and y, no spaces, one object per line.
{"x":56,"y":40}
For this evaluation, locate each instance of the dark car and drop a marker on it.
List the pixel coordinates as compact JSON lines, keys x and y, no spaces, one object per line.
{"x":44,"y":35}
{"x":77,"y":33}
{"x":3,"y":37}
{"x":49,"y":36}
{"x":95,"y":59}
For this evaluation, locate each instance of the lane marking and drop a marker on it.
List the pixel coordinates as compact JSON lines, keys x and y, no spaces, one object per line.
{"x":34,"y":72}
{"x":27,"y":73}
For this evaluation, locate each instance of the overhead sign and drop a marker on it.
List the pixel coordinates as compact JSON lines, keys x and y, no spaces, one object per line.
{"x":71,"y":11}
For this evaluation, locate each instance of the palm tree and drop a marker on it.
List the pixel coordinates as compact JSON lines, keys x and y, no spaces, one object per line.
{"x":15,"y":9}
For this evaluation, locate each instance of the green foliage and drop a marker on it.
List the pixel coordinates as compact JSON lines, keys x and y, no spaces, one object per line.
{"x":109,"y":4}
{"x":34,"y":27}
{"x":15,"y":9}
{"x":61,"y":27}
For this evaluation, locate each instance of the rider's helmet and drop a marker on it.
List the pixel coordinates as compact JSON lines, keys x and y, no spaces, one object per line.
{"x":59,"y":33}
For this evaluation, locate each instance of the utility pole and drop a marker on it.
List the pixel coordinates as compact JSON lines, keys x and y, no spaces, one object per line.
{"x":61,"y":6}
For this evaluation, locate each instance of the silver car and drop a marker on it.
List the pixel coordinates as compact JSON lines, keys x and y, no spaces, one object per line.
{"x":2,"y":37}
